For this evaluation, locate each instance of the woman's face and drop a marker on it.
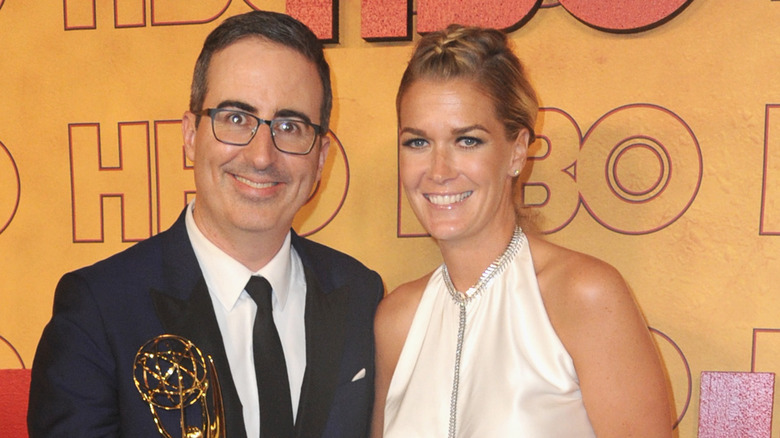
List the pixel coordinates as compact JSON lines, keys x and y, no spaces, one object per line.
{"x":456,"y":163}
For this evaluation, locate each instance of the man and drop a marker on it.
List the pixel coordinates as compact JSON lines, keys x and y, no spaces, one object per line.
{"x":255,"y":131}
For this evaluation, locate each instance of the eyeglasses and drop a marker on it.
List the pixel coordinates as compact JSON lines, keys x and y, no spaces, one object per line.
{"x":238,"y":128}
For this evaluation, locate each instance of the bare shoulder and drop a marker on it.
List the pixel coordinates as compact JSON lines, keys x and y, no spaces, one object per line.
{"x":596,"y":318}
{"x":396,"y":310}
{"x":587,"y":300}
{"x":574,"y":284}
{"x":393,"y":319}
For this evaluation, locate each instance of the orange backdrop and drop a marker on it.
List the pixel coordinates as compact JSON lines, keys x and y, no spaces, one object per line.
{"x":659,"y":152}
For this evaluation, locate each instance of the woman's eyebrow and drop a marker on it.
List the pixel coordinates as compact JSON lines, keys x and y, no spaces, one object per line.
{"x":466,"y":129}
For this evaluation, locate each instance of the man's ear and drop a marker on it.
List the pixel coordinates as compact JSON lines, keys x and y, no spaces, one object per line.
{"x":323,"y":154}
{"x":188,"y":130}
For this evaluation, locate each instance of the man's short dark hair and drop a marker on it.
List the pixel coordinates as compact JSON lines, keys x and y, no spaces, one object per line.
{"x":271,"y":26}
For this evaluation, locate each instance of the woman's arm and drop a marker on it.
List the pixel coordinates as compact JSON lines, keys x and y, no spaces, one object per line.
{"x":391,"y":325}
{"x":623,"y":382}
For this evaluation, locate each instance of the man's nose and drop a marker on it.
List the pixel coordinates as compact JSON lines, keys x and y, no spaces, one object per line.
{"x":261,"y":150}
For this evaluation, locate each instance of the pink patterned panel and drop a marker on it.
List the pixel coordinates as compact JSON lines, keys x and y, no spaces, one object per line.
{"x":433,"y":15}
{"x":384,"y":20}
{"x":736,"y":405}
{"x":318,"y":15}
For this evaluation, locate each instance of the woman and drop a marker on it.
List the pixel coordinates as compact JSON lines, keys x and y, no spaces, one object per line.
{"x":544,"y":342}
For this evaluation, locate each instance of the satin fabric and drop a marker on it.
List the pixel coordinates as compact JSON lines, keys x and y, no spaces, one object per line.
{"x":516,"y":378}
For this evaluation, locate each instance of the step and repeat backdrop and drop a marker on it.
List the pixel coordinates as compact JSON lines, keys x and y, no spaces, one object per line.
{"x":658,"y":151}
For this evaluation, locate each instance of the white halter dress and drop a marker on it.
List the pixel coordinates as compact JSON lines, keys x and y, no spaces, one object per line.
{"x":516,"y":378}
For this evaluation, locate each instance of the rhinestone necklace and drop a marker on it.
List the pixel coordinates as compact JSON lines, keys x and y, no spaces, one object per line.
{"x":495,"y":268}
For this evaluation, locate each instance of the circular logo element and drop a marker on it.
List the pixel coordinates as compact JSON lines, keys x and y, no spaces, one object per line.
{"x":677,"y":366}
{"x":328,"y":195}
{"x":639,"y":169}
{"x":10,"y":187}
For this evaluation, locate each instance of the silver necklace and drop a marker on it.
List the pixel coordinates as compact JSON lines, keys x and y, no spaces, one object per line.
{"x":495,"y":268}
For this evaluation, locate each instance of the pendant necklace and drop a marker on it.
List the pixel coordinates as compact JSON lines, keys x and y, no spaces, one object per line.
{"x":495,"y":268}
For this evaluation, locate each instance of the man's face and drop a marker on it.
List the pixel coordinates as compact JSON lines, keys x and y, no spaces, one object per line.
{"x":254,"y":189}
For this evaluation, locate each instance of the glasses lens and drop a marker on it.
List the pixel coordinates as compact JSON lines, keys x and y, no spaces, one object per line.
{"x":233,"y":127}
{"x":293,"y":136}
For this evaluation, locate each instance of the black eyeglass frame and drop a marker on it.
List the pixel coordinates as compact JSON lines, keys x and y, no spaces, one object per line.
{"x":209,"y":112}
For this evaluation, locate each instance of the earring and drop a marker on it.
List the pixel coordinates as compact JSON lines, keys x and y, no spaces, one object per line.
{"x":516,"y":172}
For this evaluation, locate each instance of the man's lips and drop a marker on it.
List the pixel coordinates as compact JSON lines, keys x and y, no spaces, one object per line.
{"x":253,"y":184}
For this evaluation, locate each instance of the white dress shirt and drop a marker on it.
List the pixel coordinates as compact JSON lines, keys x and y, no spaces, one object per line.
{"x":235,"y":311}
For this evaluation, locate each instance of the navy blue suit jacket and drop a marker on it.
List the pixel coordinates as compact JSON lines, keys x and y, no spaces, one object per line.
{"x":82,"y":374}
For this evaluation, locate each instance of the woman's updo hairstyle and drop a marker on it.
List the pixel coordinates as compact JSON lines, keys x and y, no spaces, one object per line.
{"x":484,"y":56}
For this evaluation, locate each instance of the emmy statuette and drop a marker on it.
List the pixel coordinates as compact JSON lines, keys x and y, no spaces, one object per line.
{"x":171,"y":373}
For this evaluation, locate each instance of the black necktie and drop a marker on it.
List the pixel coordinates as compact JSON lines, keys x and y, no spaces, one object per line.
{"x":273,"y":386}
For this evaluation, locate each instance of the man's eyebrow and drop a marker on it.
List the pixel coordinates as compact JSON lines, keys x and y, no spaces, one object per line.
{"x":284,"y":113}
{"x":292,"y":114}
{"x":243,"y":106}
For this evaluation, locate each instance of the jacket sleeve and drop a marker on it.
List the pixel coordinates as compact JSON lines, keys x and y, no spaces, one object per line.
{"x":73,"y":388}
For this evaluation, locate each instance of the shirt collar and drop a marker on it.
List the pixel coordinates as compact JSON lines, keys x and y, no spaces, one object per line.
{"x":226,"y":277}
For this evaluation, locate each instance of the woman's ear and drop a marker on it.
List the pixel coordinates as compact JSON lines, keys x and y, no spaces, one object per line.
{"x":519,"y":152}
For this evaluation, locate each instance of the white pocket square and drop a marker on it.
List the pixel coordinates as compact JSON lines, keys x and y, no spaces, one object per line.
{"x":360,"y":374}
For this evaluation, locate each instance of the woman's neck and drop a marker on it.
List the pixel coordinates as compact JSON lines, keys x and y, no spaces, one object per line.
{"x":467,"y":259}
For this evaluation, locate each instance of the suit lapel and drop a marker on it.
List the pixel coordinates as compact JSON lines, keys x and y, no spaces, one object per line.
{"x":325,"y":323}
{"x":185,"y":309}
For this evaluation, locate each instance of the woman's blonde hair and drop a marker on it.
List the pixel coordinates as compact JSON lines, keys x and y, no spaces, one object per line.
{"x":484,"y":56}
